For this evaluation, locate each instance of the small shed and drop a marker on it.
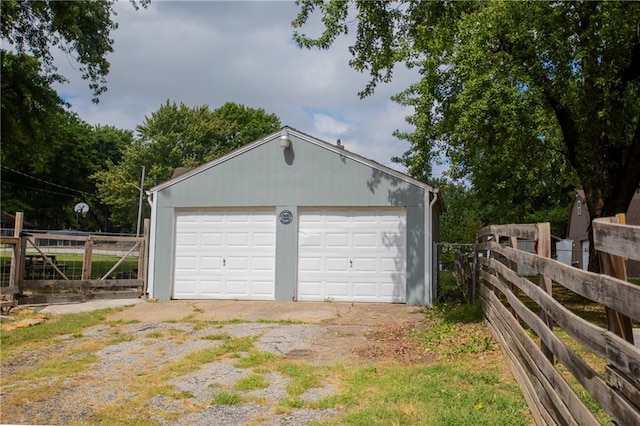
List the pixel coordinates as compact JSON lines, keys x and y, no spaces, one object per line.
{"x":578,"y":231}
{"x":293,"y":218}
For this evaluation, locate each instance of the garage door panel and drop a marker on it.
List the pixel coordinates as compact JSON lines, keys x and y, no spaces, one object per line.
{"x":187,"y":240}
{"x":337,"y":288}
{"x":237,"y":264}
{"x":238,"y":239}
{"x":189,"y":219}
{"x":307,"y":239}
{"x":211,"y":239}
{"x":263,"y":219}
{"x":211,"y":263}
{"x":210,"y":219}
{"x":262,"y":264}
{"x":261,"y":239}
{"x":186,"y":263}
{"x":336,"y":264}
{"x":353,"y":254}
{"x":365,"y":265}
{"x":238,"y":217}
{"x":210,"y":288}
{"x":310,"y":264}
{"x":336,"y":217}
{"x":364,"y":219}
{"x":311,"y":289}
{"x":365,"y":240}
{"x":388,"y":265}
{"x":310,"y":219}
{"x":237,"y":287}
{"x":365,"y":289}
{"x":388,"y":289}
{"x":188,"y":288}
{"x":226,"y":254}
{"x":262,"y":289}
{"x":337,"y":240}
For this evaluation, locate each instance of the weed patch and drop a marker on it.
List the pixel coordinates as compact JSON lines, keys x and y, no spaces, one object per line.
{"x":53,"y":327}
{"x":226,"y":398}
{"x":252,"y":382}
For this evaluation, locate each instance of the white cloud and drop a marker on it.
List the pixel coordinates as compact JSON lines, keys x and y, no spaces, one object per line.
{"x":324,"y":124}
{"x":216,"y":52}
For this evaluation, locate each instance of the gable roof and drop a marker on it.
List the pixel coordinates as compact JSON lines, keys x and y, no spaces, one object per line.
{"x":633,"y":212}
{"x":293,"y":132}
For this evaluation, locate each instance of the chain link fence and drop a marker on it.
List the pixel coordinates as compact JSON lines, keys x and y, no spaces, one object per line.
{"x":456,"y":273}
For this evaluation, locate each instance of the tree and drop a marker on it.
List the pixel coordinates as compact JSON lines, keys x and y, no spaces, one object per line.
{"x":48,"y":190}
{"x":177,"y":136}
{"x":460,"y":222}
{"x":544,"y":85}
{"x":29,"y":108}
{"x":80,"y":29}
{"x":47,"y":152}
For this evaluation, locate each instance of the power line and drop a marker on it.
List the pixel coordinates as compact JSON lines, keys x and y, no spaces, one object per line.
{"x":66,"y":194}
{"x":45,"y":181}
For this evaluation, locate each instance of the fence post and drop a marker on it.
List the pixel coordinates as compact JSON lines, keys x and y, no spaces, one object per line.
{"x":514,"y":267}
{"x":144,"y":254}
{"x":616,"y":267}
{"x":543,"y":231}
{"x":20,"y":251}
{"x":474,"y":273}
{"x":86,"y":259}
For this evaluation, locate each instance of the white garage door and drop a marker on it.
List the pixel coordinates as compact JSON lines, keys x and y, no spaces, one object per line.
{"x":225,"y":254}
{"x":352,"y":255}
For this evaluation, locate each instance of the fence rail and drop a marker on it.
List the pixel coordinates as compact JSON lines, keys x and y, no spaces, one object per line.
{"x":545,"y":342}
{"x":97,"y":266}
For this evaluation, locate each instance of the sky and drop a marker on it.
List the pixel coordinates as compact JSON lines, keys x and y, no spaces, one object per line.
{"x":213,"y":52}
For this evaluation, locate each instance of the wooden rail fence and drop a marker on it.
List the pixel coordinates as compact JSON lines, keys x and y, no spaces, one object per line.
{"x":34,"y":274}
{"x":546,"y":349}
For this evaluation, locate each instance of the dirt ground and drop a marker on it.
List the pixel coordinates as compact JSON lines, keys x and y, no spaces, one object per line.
{"x":344,"y":331}
{"x":159,"y":333}
{"x":363,"y":314}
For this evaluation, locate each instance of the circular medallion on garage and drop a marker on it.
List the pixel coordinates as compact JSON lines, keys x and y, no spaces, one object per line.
{"x":286,"y":217}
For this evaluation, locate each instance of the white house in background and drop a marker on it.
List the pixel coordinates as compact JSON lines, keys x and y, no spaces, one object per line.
{"x":290,"y":217}
{"x":578,"y":231}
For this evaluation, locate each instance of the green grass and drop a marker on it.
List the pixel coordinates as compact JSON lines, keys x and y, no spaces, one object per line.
{"x":65,"y":324}
{"x":433,"y":395}
{"x":227,"y":398}
{"x":194,"y":360}
{"x":154,"y":335}
{"x":302,"y":377}
{"x":220,"y":336}
{"x":456,"y":390}
{"x":252,"y":382}
{"x":256,"y":359}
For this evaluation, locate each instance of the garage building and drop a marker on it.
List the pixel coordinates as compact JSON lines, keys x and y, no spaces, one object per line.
{"x":291,"y":217}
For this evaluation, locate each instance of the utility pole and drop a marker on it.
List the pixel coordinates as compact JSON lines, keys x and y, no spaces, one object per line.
{"x":140,"y":202}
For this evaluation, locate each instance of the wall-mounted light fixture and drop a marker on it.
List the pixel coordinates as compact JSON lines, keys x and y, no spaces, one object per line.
{"x":285,"y":142}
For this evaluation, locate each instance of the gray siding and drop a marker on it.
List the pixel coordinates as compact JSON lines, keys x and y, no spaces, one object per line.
{"x":287,"y":256}
{"x":304,"y":175}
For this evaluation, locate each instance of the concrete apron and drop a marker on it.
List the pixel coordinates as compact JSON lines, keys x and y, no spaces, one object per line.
{"x":224,"y":310}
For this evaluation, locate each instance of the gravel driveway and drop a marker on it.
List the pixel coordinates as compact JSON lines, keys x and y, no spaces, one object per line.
{"x":167,"y":363}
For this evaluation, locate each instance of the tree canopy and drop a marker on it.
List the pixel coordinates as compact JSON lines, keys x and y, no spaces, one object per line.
{"x":80,"y":29}
{"x":48,"y":153}
{"x":177,"y":136}
{"x":30,"y":107}
{"x":527,"y":99}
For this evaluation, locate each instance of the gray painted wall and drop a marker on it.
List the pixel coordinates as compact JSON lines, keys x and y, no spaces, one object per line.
{"x":304,"y":175}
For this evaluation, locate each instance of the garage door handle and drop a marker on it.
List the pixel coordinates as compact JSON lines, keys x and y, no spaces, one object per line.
{"x":350,"y":263}
{"x":224,"y":262}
